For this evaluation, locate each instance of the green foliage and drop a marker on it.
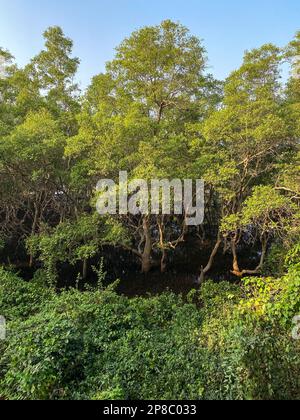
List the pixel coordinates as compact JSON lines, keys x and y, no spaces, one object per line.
{"x":250,"y":336}
{"x":98,"y":345}
{"x":83,"y":345}
{"x":292,"y":258}
{"x":154,"y":113}
{"x":275,"y":261}
{"x":19,"y":299}
{"x":264,"y":206}
{"x":74,"y":242}
{"x":277,"y":300}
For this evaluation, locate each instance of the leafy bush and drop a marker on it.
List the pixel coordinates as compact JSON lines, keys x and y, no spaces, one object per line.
{"x":273,"y":300}
{"x":73,"y":242}
{"x":98,"y":345}
{"x":282,"y":257}
{"x":82,"y":345}
{"x":256,"y":357}
{"x":19,"y":299}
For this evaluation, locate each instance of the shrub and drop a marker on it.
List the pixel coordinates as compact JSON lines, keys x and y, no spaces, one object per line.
{"x":20,"y":299}
{"x":84,"y":345}
{"x":98,"y":345}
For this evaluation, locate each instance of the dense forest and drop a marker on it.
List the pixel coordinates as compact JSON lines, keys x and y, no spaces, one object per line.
{"x":144,"y":306}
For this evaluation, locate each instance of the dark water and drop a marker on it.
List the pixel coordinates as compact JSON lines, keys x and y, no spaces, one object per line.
{"x":180,"y":278}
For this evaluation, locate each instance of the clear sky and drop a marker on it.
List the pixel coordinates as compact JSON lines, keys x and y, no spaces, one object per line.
{"x":228,"y":27}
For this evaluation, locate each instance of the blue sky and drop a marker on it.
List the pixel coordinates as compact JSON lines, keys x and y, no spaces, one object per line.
{"x":228,"y":27}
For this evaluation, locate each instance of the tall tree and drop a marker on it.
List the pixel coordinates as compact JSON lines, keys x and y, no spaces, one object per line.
{"x":38,"y":111}
{"x":7,"y":92}
{"x":136,"y":117}
{"x":247,"y":137}
{"x":54,"y":69}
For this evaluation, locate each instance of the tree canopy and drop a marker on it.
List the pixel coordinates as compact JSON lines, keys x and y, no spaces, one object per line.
{"x":156,"y":113}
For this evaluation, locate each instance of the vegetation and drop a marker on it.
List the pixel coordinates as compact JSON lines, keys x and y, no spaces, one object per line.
{"x":157,"y":114}
{"x":99,"y":345}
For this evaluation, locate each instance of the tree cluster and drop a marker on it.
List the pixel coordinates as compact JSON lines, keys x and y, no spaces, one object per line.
{"x":157,"y":114}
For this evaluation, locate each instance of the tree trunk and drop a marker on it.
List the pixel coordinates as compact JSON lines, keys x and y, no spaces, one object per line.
{"x":33,"y":229}
{"x":235,"y":265}
{"x":205,"y":270}
{"x":163,"y":261}
{"x":257,"y":270}
{"x":146,"y":256}
{"x":84,"y":269}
